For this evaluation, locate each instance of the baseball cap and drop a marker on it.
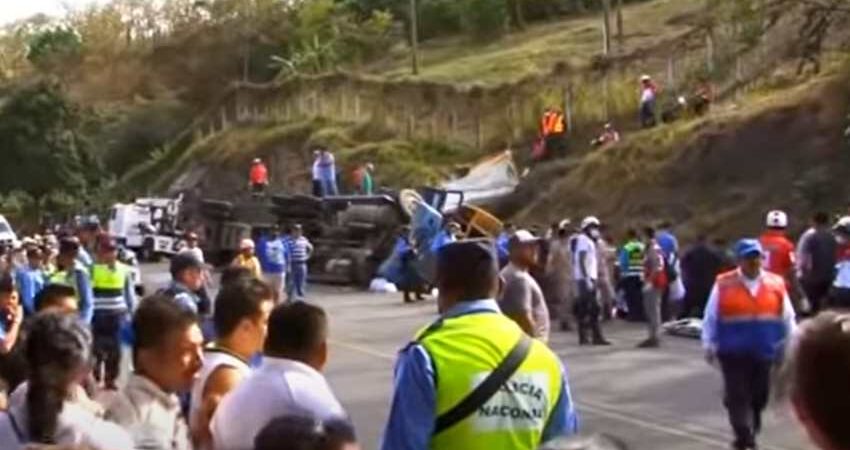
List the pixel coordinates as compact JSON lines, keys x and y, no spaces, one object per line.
{"x":183,"y":261}
{"x":748,"y":248}
{"x":523,"y":237}
{"x":108,"y":245}
{"x":462,"y":258}
{"x":69,"y":244}
{"x":246,"y":243}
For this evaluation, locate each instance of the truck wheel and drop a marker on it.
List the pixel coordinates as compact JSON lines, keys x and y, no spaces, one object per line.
{"x":148,"y":251}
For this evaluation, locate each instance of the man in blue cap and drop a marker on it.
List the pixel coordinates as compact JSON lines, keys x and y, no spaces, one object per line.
{"x":747,"y":320}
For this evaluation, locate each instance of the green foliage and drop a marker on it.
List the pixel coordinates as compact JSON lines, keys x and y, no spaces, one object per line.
{"x":439,"y":18}
{"x":43,"y":147}
{"x":485,"y":18}
{"x":52,"y":47}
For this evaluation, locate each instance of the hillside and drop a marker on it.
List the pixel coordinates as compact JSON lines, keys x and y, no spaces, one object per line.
{"x":537,"y":49}
{"x":717,"y":175}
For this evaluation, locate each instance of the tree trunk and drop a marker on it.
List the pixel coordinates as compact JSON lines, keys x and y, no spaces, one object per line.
{"x":518,"y":15}
{"x":620,"y":34}
{"x":606,"y":27}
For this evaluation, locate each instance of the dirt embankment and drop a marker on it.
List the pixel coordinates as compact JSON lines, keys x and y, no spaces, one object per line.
{"x":719,"y":175}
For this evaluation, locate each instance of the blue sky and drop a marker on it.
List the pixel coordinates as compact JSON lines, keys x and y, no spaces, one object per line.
{"x":11,"y":10}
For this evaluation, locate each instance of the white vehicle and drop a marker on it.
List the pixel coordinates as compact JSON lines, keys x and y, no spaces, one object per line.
{"x":8,"y":238}
{"x":147,"y":226}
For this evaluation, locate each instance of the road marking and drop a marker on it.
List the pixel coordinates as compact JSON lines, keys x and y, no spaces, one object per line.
{"x":700,"y":433}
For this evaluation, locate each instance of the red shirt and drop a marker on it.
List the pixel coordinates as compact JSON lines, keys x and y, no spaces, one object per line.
{"x":259,"y":174}
{"x":779,"y":252}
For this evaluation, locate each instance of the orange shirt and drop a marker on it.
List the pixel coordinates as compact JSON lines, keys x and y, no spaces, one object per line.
{"x":259,"y":174}
{"x":779,"y":252}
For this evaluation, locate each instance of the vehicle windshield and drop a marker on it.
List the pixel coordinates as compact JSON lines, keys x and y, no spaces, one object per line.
{"x":4,"y":227}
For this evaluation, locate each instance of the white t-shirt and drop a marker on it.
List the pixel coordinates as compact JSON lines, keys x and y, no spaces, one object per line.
{"x":278,"y":387}
{"x":583,"y":243}
{"x":77,"y":427}
{"x":213,"y":359}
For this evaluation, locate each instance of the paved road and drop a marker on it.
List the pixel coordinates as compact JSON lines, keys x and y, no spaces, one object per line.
{"x":653,"y":399}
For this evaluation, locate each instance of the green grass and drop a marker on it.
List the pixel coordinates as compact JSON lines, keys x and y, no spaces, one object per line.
{"x":538,"y":48}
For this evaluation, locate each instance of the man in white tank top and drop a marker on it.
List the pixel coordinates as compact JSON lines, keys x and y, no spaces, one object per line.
{"x":241,"y":319}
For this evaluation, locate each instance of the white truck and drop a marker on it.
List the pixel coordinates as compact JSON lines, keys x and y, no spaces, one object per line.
{"x":148,"y":226}
{"x":8,"y":238}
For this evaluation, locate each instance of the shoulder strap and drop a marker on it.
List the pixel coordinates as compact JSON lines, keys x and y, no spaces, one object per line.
{"x":487,"y":388}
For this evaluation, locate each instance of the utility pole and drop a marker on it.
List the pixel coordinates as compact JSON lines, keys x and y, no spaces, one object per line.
{"x":414,"y":38}
{"x":606,"y":27}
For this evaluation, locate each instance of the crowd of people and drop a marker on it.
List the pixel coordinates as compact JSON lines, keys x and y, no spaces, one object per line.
{"x":245,"y":370}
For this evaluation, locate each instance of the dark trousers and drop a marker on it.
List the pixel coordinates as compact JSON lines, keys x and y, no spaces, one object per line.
{"x":818,"y":294}
{"x":587,"y":311}
{"x":839,"y":298}
{"x":746,"y":382}
{"x":633,"y":292}
{"x":106,"y":331}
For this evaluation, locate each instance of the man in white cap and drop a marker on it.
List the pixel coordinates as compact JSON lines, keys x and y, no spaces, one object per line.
{"x":522,"y":299}
{"x":648,"y":92}
{"x":586,"y":274}
{"x":246,"y":259}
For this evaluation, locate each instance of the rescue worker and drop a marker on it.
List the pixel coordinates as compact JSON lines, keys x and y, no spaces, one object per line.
{"x":748,"y":317}
{"x":70,"y":272}
{"x":258,"y":177}
{"x":630,"y":269}
{"x":246,"y":258}
{"x":779,"y":251}
{"x":522,"y":398}
{"x":114,"y":299}
{"x":554,"y":132}
{"x":648,"y":93}
{"x":586,"y":275}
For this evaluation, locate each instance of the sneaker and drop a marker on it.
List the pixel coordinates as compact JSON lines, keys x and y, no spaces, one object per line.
{"x":601,"y":342}
{"x":649,"y":343}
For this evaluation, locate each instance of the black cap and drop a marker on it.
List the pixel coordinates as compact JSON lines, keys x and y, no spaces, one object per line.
{"x":183,"y":261}
{"x":468,"y":258}
{"x":68,"y":245}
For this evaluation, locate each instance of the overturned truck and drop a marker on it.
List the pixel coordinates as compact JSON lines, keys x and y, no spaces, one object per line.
{"x":351,"y":235}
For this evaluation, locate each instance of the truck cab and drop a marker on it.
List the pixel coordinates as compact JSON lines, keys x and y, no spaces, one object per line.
{"x":8,"y":238}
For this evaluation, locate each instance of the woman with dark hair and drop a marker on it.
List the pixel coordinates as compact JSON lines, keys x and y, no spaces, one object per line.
{"x":58,"y":352}
{"x":306,"y":433}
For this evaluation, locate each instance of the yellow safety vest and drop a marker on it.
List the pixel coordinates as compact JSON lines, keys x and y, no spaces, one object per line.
{"x":464,"y":351}
{"x":108,"y":287}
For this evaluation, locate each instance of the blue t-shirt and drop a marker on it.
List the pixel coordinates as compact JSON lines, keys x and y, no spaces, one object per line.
{"x":272,"y":254}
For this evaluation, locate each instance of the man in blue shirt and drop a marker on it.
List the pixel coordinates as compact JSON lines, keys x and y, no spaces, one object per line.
{"x":272,"y":253}
{"x":446,"y":236}
{"x":30,"y":279}
{"x":667,"y":240}
{"x":468,"y":280}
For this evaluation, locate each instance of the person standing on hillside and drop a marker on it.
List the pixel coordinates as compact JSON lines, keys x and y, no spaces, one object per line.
{"x":316,"y":173}
{"x":363,"y":179}
{"x":817,"y":265}
{"x":258,"y":177}
{"x":654,"y":285}
{"x":648,"y":93}
{"x":747,"y":320}
{"x":327,"y":173}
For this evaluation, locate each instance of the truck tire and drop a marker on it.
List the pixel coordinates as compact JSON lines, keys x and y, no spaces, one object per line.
{"x":148,"y":251}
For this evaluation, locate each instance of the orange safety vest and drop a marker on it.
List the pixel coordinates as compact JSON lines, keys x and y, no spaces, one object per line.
{"x":545,"y":123}
{"x":556,"y":125}
{"x":750,"y":324}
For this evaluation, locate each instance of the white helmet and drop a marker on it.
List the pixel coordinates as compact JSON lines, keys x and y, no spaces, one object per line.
{"x":843,"y":225}
{"x":645,"y":77}
{"x":777,"y":219}
{"x":590,"y":221}
{"x":246,"y":244}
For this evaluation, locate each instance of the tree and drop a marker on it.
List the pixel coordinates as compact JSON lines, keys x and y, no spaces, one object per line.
{"x":606,"y":27}
{"x":51,"y":48}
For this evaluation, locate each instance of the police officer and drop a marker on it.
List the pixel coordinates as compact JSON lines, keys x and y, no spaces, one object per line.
{"x":71,"y":272}
{"x":748,"y":317}
{"x":113,"y":301}
{"x":522,"y":397}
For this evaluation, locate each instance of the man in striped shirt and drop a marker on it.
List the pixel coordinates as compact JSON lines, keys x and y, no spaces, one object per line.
{"x":113,"y":302}
{"x":299,"y":250}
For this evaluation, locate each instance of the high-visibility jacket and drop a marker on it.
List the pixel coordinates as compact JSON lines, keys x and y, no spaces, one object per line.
{"x":779,"y":252}
{"x":259,"y":174}
{"x":746,"y":324}
{"x":557,"y":126}
{"x":464,"y":351}
{"x":77,"y":278}
{"x":545,"y":123}
{"x":631,"y":260}
{"x":108,"y":285}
